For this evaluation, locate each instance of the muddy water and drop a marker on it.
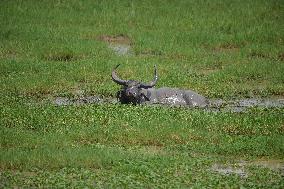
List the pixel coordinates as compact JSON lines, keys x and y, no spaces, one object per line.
{"x":120,"y":44}
{"x":65,"y":101}
{"x":243,"y":104}
{"x":239,"y":168}
{"x":215,"y":105}
{"x":121,"y":49}
{"x":229,"y":169}
{"x":277,"y":165}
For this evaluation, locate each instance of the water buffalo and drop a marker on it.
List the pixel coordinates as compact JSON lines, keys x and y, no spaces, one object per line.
{"x":136,"y":92}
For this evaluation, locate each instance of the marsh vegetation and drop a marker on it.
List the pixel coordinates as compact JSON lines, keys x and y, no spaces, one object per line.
{"x":228,"y":50}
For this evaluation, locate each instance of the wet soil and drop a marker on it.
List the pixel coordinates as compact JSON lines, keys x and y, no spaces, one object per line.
{"x":229,"y":169}
{"x":215,"y":105}
{"x":149,"y":52}
{"x":277,"y":165}
{"x":83,"y":100}
{"x":121,"y":49}
{"x":118,"y":39}
{"x":120,"y":44}
{"x":239,"y":168}
{"x":62,"y":56}
{"x":244,"y":104}
{"x":258,"y":55}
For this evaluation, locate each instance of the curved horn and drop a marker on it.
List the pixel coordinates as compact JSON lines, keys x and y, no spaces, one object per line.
{"x":115,"y":77}
{"x":153,"y":83}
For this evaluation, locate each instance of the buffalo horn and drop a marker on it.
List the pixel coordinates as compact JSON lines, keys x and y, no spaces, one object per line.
{"x":115,"y":77}
{"x":152,"y":83}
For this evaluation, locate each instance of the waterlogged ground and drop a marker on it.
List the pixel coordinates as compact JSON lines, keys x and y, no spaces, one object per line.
{"x":61,"y":126}
{"x":112,"y":145}
{"x":215,"y":105}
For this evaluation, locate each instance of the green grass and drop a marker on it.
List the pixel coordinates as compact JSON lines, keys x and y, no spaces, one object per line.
{"x":221,"y":49}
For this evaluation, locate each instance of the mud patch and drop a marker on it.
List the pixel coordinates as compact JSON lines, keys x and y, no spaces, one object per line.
{"x":61,"y":56}
{"x":118,"y":39}
{"x":276,"y":165}
{"x":215,"y":105}
{"x":64,"y":101}
{"x":120,"y":44}
{"x":239,"y":168}
{"x":258,"y":55}
{"x":227,"y":47}
{"x":149,"y":52}
{"x":83,"y":100}
{"x":121,"y":49}
{"x":241,"y":105}
{"x":229,"y":170}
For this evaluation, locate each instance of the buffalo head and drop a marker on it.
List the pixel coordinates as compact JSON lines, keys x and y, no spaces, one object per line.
{"x":132,"y":91}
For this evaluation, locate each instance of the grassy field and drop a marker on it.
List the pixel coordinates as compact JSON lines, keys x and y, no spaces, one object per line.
{"x":221,"y":49}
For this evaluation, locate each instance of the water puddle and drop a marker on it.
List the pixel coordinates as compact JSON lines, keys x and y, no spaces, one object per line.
{"x":276,"y":165}
{"x":239,"y":168}
{"x":84,"y":100}
{"x":120,"y":44}
{"x":64,"y":101}
{"x":121,"y":49}
{"x":215,"y":105}
{"x":229,"y":170}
